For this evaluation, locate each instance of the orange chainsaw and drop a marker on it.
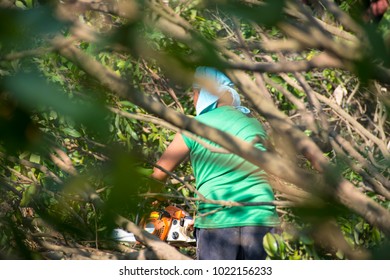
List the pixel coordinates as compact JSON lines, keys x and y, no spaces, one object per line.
{"x":173,"y":225}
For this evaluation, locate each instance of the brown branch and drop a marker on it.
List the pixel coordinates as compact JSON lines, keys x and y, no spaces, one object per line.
{"x":166,"y":86}
{"x":329,"y":234}
{"x":8,"y":187}
{"x":320,"y":61}
{"x":313,"y":100}
{"x":40,"y":167}
{"x":186,"y":179}
{"x":163,"y":123}
{"x":280,"y":121}
{"x":323,"y":38}
{"x":378,"y":188}
{"x":64,"y":162}
{"x":341,"y":16}
{"x":224,"y":202}
{"x":337,"y":31}
{"x":23,"y":179}
{"x":187,"y":185}
{"x":351,"y":151}
{"x":305,"y":114}
{"x":282,"y":45}
{"x":354,"y":123}
{"x":259,"y":78}
{"x":70,"y":10}
{"x":82,"y":252}
{"x":54,"y":45}
{"x":294,"y":193}
{"x":27,"y":53}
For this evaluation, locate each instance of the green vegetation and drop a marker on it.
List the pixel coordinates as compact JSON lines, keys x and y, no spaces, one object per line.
{"x":91,"y":94}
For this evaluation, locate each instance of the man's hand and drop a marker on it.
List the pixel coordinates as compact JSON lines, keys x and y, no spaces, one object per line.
{"x":191,"y":225}
{"x":379,"y":7}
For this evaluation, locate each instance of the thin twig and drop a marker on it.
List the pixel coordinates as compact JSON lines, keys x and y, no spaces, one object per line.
{"x":224,"y":202}
{"x":163,"y":123}
{"x":40,"y":167}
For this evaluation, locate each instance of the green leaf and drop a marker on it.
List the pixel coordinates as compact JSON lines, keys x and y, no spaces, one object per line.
{"x":28,"y":195}
{"x":71,"y":132}
{"x":20,"y":4}
{"x":21,"y":26}
{"x":270,"y":245}
{"x":30,"y":4}
{"x":340,"y":254}
{"x":126,"y":103}
{"x":308,"y":132}
{"x":185,"y":192}
{"x":281,"y":245}
{"x":35,"y":158}
{"x":34,"y":93}
{"x":144,"y":171}
{"x":306,"y":240}
{"x":121,"y":136}
{"x":53,"y":115}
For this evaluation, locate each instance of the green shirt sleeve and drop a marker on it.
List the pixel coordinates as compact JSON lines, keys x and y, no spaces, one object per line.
{"x":188,"y":141}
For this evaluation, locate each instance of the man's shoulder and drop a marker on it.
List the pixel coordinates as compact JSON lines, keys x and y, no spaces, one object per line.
{"x":231,"y":120}
{"x":221,"y":113}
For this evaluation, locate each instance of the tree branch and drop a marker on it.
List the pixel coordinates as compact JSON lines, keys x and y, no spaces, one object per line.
{"x":320,"y":61}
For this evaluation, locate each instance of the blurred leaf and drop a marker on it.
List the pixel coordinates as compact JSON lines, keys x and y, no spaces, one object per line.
{"x":340,"y":254}
{"x":35,"y":158}
{"x":128,"y":182}
{"x":144,"y":171}
{"x":384,"y":24}
{"x":20,"y":4}
{"x":35,"y":93}
{"x":71,"y":132}
{"x":185,"y":192}
{"x":267,"y":13}
{"x":30,"y":3}
{"x":306,"y":240}
{"x":379,"y":51}
{"x":270,"y":245}
{"x":28,"y":195}
{"x":24,"y":26}
{"x":18,"y":131}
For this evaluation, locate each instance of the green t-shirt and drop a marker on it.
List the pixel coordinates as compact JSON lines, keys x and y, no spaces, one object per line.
{"x":229,"y":177}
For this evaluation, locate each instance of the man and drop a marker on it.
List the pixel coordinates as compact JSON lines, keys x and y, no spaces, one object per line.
{"x":224,"y":233}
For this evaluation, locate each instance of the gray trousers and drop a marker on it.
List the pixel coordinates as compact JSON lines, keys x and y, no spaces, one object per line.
{"x":233,"y":243}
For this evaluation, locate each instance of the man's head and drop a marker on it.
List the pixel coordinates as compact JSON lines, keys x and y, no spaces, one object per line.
{"x":213,"y":89}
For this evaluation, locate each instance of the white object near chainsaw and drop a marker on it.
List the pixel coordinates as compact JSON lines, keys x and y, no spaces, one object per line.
{"x":172,"y":225}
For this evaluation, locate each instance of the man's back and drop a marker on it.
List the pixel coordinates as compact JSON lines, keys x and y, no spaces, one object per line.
{"x":222,"y":176}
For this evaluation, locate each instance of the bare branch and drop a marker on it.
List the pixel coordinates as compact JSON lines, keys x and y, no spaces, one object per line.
{"x":344,"y":19}
{"x":40,"y":167}
{"x":39,"y":51}
{"x":224,"y":202}
{"x":320,"y":61}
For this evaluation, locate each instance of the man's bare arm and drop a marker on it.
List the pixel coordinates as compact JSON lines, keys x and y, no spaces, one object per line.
{"x":176,"y":152}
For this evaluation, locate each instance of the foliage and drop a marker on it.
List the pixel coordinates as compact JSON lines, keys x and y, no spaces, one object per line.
{"x":67,"y":136}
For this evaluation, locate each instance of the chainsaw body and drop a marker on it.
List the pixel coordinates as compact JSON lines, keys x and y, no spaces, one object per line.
{"x":171,"y":225}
